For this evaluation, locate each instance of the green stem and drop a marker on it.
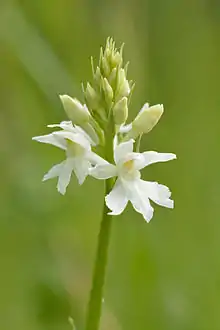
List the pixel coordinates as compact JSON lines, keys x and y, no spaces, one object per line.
{"x":96,"y":294}
{"x":138,"y":143}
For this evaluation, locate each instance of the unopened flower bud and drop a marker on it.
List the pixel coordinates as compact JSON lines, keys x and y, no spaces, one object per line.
{"x":112,"y":78}
{"x":107,"y":91}
{"x":92,"y":97}
{"x":107,"y":52}
{"x":97,"y":76}
{"x":105,"y":66}
{"x":123,"y":88}
{"x":116,"y":60}
{"x":76,"y":112}
{"x":120,"y":111}
{"x":147,"y":118}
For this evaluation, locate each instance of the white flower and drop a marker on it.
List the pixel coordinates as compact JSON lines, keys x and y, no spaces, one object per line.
{"x":129,"y":186}
{"x":79,"y":155}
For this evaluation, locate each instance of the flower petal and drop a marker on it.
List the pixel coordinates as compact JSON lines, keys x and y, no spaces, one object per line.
{"x":65,"y":125}
{"x":74,"y":137}
{"x":150,"y":157}
{"x":139,"y":198}
{"x":125,"y":128}
{"x":122,"y":150}
{"x":81,"y":169}
{"x":137,"y":158}
{"x":95,"y":159}
{"x":65,"y":176}
{"x":79,"y":130}
{"x":68,"y":126}
{"x":103,"y":172}
{"x":53,"y":172}
{"x":158,"y":193}
{"x":116,"y":200}
{"x":55,"y":140}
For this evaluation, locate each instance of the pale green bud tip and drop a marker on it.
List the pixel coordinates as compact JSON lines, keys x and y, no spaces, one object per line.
{"x":71,"y":322}
{"x":120,"y":111}
{"x":147,"y":118}
{"x":123,"y":88}
{"x":97,"y":76}
{"x":92,"y":97}
{"x":107,"y":90}
{"x":110,"y":58}
{"x":76,"y":112}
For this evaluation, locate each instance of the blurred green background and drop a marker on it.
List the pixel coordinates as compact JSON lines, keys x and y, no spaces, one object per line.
{"x":162,"y":275}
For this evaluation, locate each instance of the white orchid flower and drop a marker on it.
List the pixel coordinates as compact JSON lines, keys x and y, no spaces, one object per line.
{"x":79,"y":155}
{"x":129,"y":186}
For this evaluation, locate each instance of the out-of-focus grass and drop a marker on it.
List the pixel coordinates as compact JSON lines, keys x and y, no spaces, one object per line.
{"x":164,"y":275}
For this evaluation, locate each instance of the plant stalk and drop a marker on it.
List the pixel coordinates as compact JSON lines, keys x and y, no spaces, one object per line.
{"x":96,"y":294}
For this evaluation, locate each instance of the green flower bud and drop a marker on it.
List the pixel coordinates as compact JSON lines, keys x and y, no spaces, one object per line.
{"x":97,"y":77}
{"x":76,"y":112}
{"x":92,"y":97}
{"x":112,"y":78}
{"x":105,"y":66}
{"x":147,"y":118}
{"x":120,"y":111}
{"x":107,"y":53}
{"x":107,"y":91}
{"x":123,"y":88}
{"x":116,"y":60}
{"x":111,"y":58}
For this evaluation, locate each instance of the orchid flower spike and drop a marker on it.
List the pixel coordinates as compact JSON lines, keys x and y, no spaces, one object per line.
{"x":79,"y":156}
{"x":129,"y":186}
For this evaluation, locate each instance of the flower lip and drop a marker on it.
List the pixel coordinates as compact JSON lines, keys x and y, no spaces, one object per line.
{"x":129,"y":165}
{"x":127,"y":168}
{"x":131,"y":162}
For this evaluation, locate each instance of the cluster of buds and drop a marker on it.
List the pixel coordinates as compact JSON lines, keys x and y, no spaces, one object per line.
{"x":108,"y":95}
{"x":107,"y":99}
